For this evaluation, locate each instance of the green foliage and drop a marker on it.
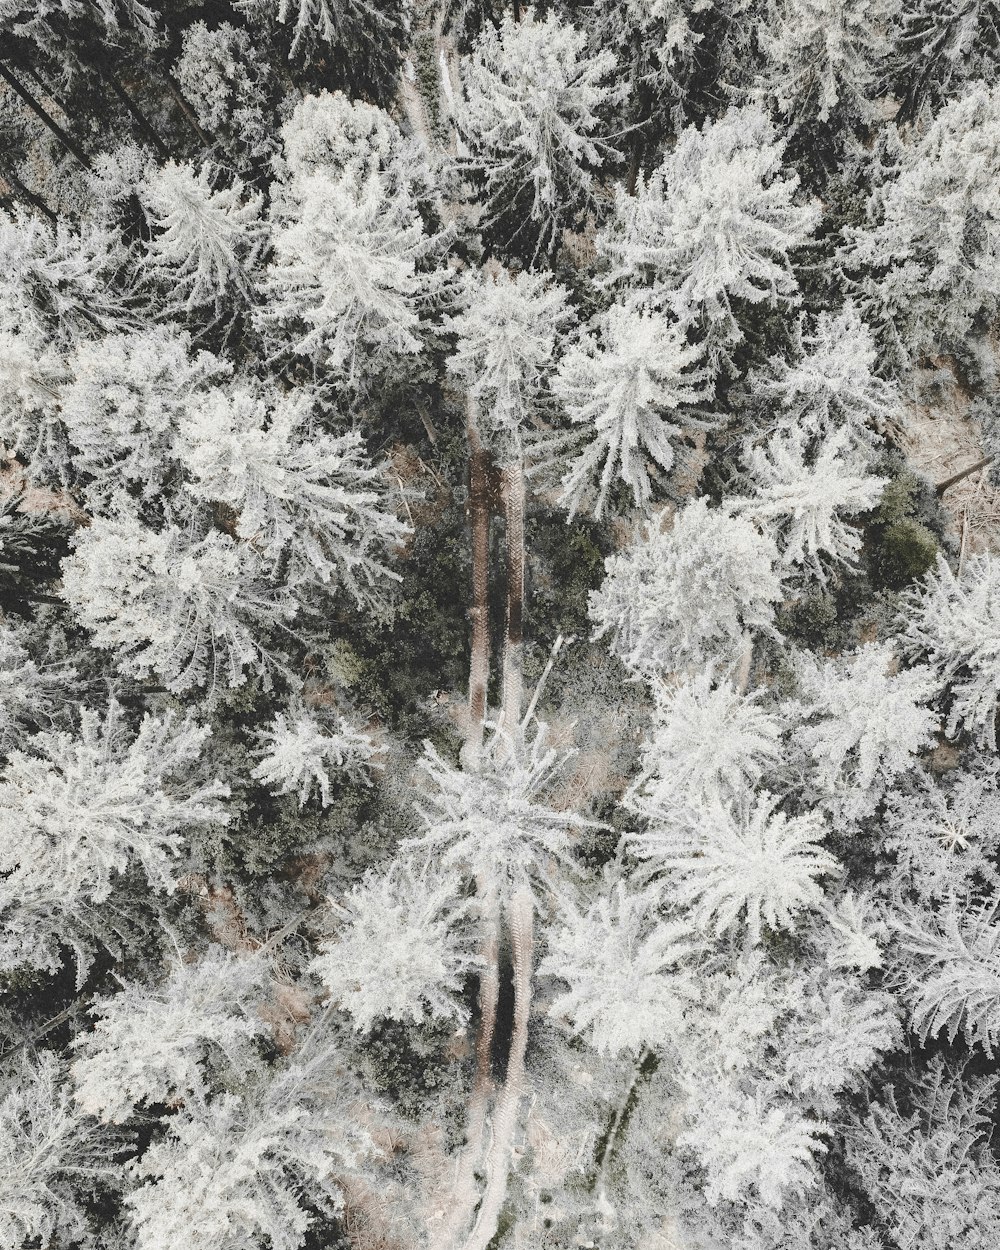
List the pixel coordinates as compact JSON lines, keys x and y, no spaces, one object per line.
{"x":811,"y":620}
{"x":411,"y":1065}
{"x":906,"y":551}
{"x":565,"y":562}
{"x":903,"y":537}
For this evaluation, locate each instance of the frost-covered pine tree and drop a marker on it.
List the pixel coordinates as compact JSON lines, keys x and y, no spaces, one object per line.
{"x":300,"y":497}
{"x":225,"y":79}
{"x":949,"y":972}
{"x":80,"y":810}
{"x":51,"y":1157}
{"x":711,"y":230}
{"x":754,"y":1150}
{"x":491,"y":825}
{"x":238,"y":1170}
{"x":195,"y":611}
{"x":944,"y":838}
{"x":507,"y":329}
{"x":122,"y":404}
{"x":707,"y":739}
{"x":632,"y":390}
{"x":862,"y":721}
{"x":805,"y":495}
{"x":628,"y":972}
{"x":58,"y":281}
{"x":298,"y":753}
{"x":924,"y":1158}
{"x":831,"y":383}
{"x":530,"y":122}
{"x":953,"y":625}
{"x":694,"y":593}
{"x":823,"y":57}
{"x":401,"y":949}
{"x":363,"y":40}
{"x":206,"y":237}
{"x":660,"y":46}
{"x":352,"y":268}
{"x":744,"y":863}
{"x":35,"y":689}
{"x":153,"y":1043}
{"x":940,"y":47}
{"x":928,"y":257}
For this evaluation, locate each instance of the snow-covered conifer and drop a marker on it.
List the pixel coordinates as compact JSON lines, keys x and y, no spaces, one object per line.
{"x":78,"y":810}
{"x":751,"y":1149}
{"x":929,"y":257}
{"x":195,"y":611}
{"x":206,"y":238}
{"x":148,"y":1043}
{"x":224,"y":77}
{"x":122,"y":405}
{"x":944,"y":838}
{"x":494,"y":822}
{"x":632,"y":391}
{"x":802,"y":495}
{"x":862,"y":723}
{"x":823,"y":56}
{"x":399,"y":951}
{"x":712,"y":226}
{"x":658,"y":44}
{"x":298,"y":753}
{"x":736,"y":864}
{"x":624,"y":966}
{"x":363,"y":39}
{"x":297,"y":493}
{"x":825,"y":1059}
{"x":351,"y":270}
{"x":50,"y":1157}
{"x":329,"y":133}
{"x":851,"y":932}
{"x":953,"y":625}
{"x":57,"y":281}
{"x":530,"y":120}
{"x":235,"y":1172}
{"x":690,"y":594}
{"x":940,"y":47}
{"x":507,"y":330}
{"x":706,"y":739}
{"x":949,"y":972}
{"x":832,"y":384}
{"x":925,"y":1161}
{"x":32,"y":693}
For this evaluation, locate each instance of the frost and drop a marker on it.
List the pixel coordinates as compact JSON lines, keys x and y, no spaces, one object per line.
{"x":298,"y":755}
{"x":688,"y":595}
{"x":736,"y":864}
{"x":953,"y":623}
{"x":624,"y":967}
{"x":399,"y":951}
{"x":632,"y":391}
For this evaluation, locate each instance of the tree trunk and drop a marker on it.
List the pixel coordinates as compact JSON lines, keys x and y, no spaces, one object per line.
{"x":28,"y":196}
{"x":512,"y":488}
{"x":465,"y":1194}
{"x":39,"y":112}
{"x":962,"y":474}
{"x":184,"y":107}
{"x":646,"y":1064}
{"x":479,"y":613}
{"x":521,"y":915}
{"x":745,"y":666}
{"x":134,"y":111}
